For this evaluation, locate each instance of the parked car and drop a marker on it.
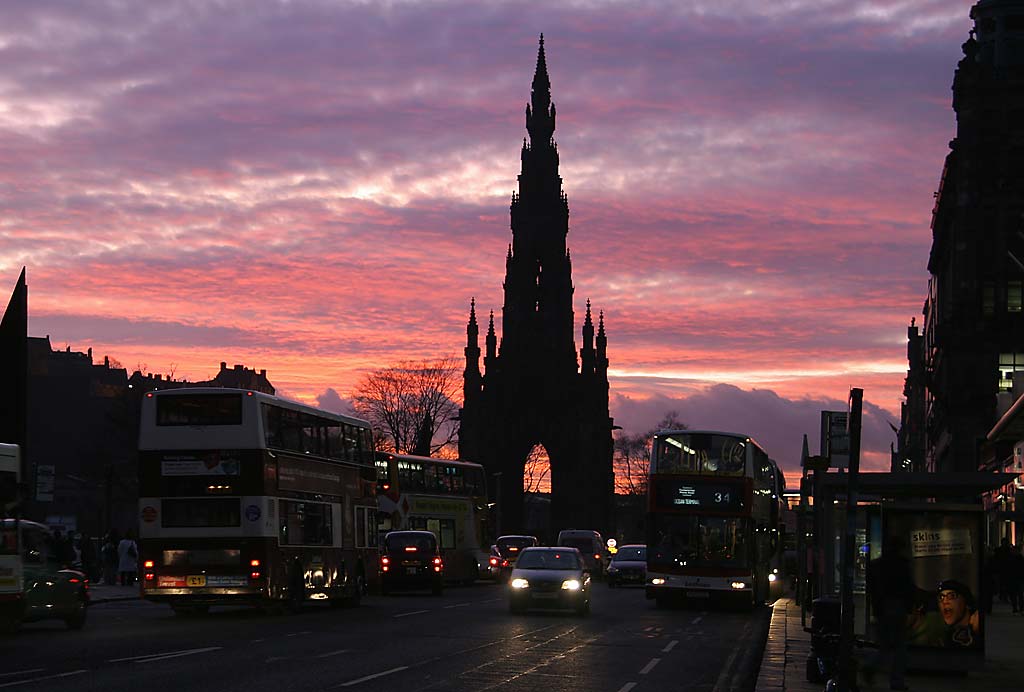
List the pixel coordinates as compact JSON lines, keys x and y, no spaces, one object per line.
{"x":505,"y":552}
{"x":590,"y":545}
{"x":628,"y":566}
{"x":411,"y":560}
{"x":549,"y":578}
{"x":34,"y":583}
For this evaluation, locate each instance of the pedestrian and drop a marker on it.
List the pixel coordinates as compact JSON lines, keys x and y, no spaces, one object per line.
{"x":1015,"y":579}
{"x":128,"y":559}
{"x":108,"y":553}
{"x":891,"y":590}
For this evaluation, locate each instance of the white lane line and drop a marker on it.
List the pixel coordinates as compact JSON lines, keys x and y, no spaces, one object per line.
{"x":45,"y":677}
{"x":148,"y":658}
{"x":458,"y":605}
{"x":372,"y":677}
{"x":22,"y":672}
{"x":298,"y":634}
{"x":671,"y":645}
{"x":333,"y":653}
{"x":648,"y":629}
{"x":696,"y":620}
{"x":414,"y":612}
{"x":627,"y":687}
{"x":650,"y":666}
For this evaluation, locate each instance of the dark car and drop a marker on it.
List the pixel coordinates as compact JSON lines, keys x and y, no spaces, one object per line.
{"x":34,"y":583}
{"x":628,"y":566}
{"x":549,"y":578}
{"x":505,"y":552}
{"x":411,"y":560}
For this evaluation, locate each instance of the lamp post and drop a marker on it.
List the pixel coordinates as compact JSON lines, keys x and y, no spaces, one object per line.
{"x":497,"y":503}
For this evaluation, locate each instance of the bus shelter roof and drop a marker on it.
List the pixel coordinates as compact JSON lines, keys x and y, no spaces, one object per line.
{"x":950,"y":485}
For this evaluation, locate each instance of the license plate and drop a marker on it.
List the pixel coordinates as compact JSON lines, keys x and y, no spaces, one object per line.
{"x":546,"y":596}
{"x":410,"y":570}
{"x":195,"y":580}
{"x":697,"y":594}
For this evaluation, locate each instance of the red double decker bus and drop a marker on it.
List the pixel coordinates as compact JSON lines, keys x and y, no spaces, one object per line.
{"x":714,"y":518}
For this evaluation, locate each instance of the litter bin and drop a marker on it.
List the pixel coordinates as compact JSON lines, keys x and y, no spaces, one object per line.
{"x":825,"y":630}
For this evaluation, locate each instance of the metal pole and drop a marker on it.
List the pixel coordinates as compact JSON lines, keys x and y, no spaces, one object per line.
{"x":847,"y":677}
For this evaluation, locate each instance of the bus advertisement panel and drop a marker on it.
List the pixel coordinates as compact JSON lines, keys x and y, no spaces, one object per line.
{"x":250,"y":498}
{"x":714,"y":518}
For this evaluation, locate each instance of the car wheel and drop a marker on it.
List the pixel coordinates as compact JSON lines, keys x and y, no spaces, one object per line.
{"x":76,"y":620}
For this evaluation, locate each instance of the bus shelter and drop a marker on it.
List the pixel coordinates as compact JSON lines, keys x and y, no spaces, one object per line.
{"x":939,"y":519}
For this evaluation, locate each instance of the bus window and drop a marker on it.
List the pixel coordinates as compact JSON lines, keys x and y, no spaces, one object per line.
{"x":200,"y":512}
{"x":305,"y":523}
{"x":410,"y":475}
{"x":207,"y":409}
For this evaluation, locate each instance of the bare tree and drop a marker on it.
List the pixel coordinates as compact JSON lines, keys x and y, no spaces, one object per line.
{"x":412,"y":404}
{"x":536,"y":470}
{"x":631,"y":462}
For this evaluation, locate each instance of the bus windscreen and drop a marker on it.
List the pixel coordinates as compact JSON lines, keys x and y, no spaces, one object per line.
{"x":199,"y":409}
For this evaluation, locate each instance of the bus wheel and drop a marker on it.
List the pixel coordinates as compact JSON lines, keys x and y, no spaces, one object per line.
{"x":357,"y":593}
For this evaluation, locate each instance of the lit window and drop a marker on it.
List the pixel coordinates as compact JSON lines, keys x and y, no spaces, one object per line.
{"x":1009,"y":363}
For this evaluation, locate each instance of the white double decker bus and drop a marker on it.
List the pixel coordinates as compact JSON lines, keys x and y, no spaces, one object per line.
{"x":714,"y":518}
{"x":251,"y":498}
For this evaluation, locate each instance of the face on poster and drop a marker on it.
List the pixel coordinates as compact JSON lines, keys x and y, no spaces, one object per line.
{"x":944,"y":549}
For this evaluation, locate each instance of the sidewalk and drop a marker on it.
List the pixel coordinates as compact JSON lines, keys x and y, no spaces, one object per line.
{"x":785,"y":657}
{"x":104,"y":593}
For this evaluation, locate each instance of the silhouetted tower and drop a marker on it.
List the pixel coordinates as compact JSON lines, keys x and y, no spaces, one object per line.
{"x":973,"y":341}
{"x":533,"y":391}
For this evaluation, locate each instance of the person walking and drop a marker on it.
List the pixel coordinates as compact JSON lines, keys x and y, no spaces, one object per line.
{"x":891,"y":589}
{"x":128,"y":559}
{"x":108,"y":554}
{"x":1015,"y":579}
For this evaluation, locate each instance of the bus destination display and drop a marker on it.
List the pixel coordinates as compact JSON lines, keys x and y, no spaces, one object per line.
{"x":686,"y":494}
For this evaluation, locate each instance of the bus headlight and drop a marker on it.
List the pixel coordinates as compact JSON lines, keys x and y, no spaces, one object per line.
{"x":773,"y":577}
{"x":518,"y":583}
{"x":571,"y":584}
{"x":658,"y":581}
{"x":739,"y":585}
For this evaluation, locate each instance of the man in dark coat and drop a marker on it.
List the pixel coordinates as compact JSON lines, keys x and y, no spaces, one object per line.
{"x":891,"y":589}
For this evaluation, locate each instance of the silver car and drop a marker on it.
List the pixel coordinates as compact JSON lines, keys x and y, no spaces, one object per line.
{"x":549,"y":578}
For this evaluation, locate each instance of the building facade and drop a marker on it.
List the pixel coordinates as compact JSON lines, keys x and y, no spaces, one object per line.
{"x":972,"y":344}
{"x":533,"y":390}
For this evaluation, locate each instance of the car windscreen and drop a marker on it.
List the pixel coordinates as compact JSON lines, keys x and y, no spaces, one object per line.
{"x":410,"y":542}
{"x":630,"y":554}
{"x":512,"y":545}
{"x":548,"y":559}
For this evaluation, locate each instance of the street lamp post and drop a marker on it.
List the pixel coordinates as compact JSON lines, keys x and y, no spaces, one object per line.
{"x":497,"y":502}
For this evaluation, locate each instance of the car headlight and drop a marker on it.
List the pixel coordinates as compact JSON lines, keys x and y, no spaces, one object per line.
{"x":571,"y":584}
{"x":518,"y":583}
{"x":739,"y":585}
{"x":612,"y":569}
{"x":658,"y":581}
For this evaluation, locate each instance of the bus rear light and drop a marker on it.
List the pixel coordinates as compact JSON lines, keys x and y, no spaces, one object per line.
{"x":148,"y":564}
{"x":254,"y":563}
{"x":410,"y":549}
{"x":504,"y":563}
{"x":597,"y":556}
{"x":437,"y":568}
{"x":384,"y":560}
{"x":254,"y":575}
{"x":494,"y":562}
{"x":150,"y":576}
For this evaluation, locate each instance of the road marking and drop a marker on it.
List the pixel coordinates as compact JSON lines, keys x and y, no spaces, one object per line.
{"x":648,"y":629}
{"x":373,"y":677}
{"x":256,"y":640}
{"x":333,"y":653}
{"x":696,"y":620}
{"x":415,"y":612}
{"x":45,"y":677}
{"x":627,"y":687}
{"x":149,"y":658}
{"x":22,"y":672}
{"x":298,"y":634}
{"x":671,"y":645}
{"x":458,"y":605}
{"x":650,"y":666}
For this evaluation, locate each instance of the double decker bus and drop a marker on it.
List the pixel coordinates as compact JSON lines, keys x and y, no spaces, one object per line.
{"x":247,"y":498}
{"x":443,"y":496}
{"x":714,"y":518}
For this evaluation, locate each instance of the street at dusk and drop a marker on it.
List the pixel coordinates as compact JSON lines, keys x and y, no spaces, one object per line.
{"x":466,"y":640}
{"x":466,"y":345}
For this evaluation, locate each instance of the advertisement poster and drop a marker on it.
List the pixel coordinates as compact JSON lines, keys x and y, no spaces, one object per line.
{"x":945,"y":550}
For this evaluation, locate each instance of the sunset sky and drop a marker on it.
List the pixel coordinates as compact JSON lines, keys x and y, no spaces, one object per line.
{"x":319,"y":188}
